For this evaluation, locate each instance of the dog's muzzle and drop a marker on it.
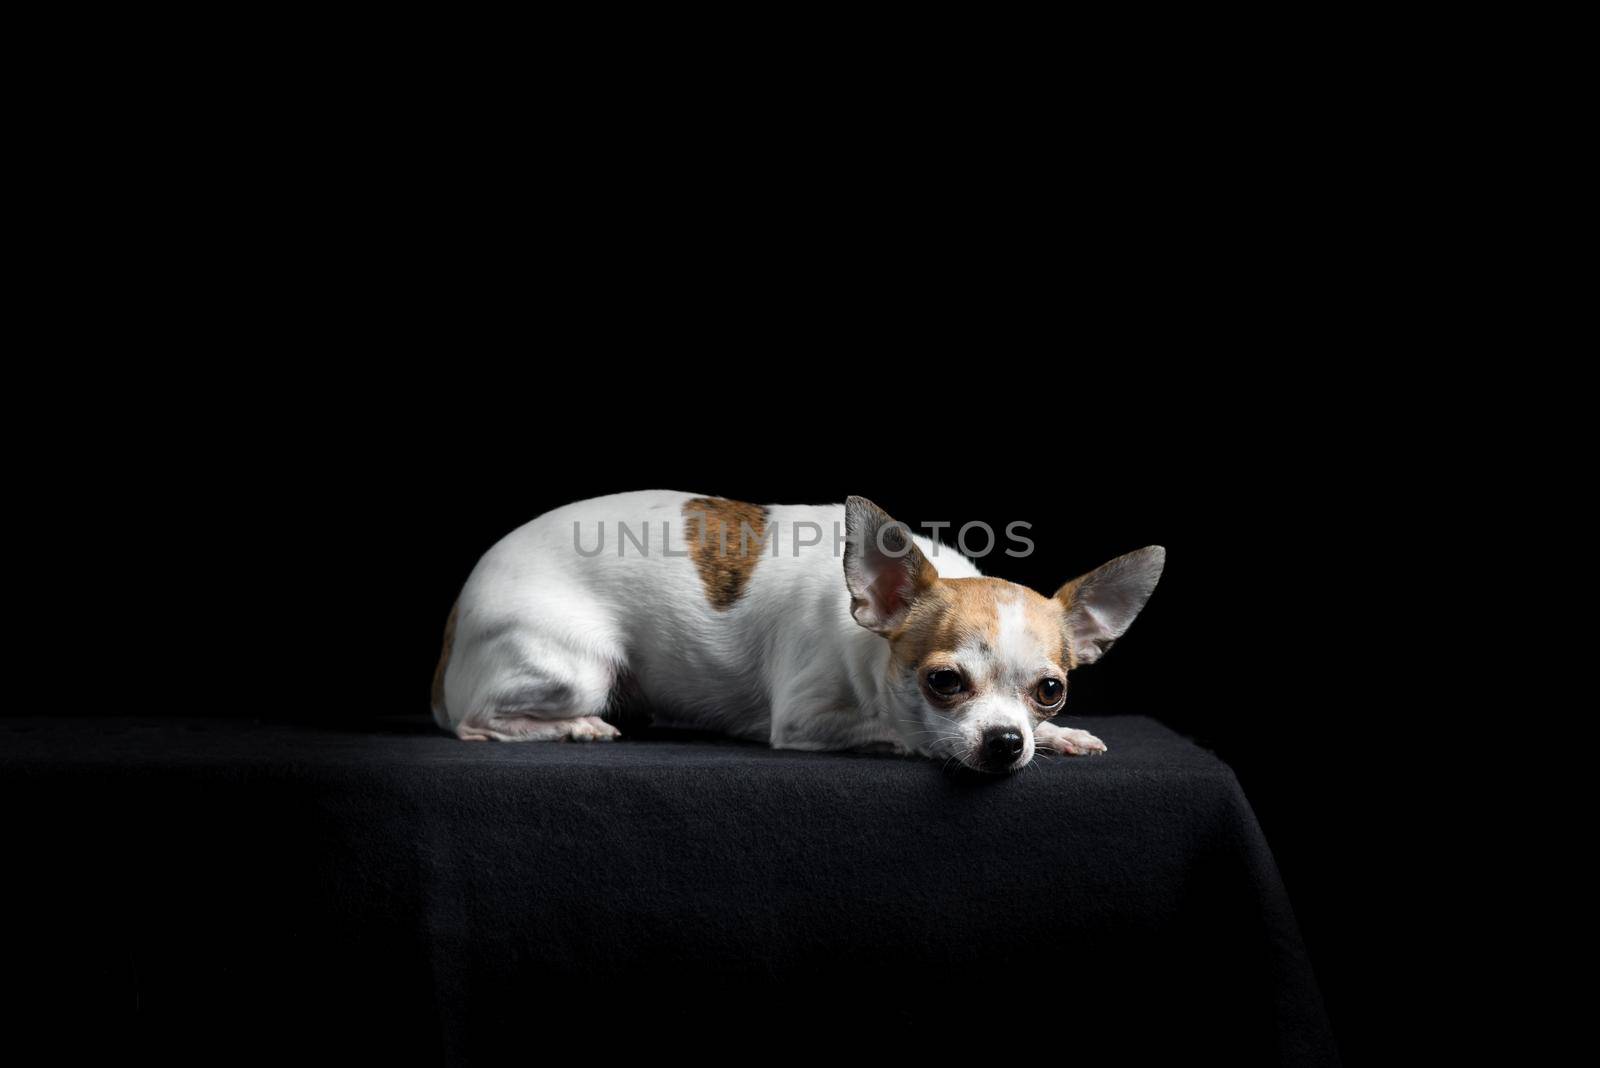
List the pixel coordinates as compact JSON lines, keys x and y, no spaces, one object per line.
{"x":1000,"y":749}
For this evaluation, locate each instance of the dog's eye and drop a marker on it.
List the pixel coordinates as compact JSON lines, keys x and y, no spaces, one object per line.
{"x":944,"y":682}
{"x":1049,"y":692}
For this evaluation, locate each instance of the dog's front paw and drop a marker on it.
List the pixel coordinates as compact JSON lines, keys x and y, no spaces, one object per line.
{"x":1067,"y":740}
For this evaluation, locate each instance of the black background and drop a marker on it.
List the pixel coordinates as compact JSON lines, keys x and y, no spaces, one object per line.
{"x":1132,"y":368}
{"x":311,"y":333}
{"x":329,"y":567}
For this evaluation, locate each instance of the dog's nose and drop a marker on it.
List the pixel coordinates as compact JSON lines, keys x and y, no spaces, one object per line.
{"x":1001,"y":746}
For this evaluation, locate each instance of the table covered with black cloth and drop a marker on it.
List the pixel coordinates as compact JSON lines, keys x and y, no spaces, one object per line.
{"x":228,"y":888}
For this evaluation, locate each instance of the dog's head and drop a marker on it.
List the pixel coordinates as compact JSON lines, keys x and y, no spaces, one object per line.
{"x":976,"y":663}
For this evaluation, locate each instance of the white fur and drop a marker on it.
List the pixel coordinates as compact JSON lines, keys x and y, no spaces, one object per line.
{"x":545,"y":634}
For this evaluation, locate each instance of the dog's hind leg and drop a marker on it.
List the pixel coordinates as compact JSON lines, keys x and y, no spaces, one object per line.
{"x":522,"y":685}
{"x":535,"y":707}
{"x":512,"y":727}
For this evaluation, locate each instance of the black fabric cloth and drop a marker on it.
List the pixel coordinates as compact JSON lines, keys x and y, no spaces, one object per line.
{"x":282,"y":888}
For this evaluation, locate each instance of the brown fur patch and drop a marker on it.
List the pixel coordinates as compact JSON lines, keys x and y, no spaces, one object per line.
{"x":714,"y":528}
{"x":955,"y":611}
{"x":1048,"y":623}
{"x":444,"y":656}
{"x":1064,"y":597}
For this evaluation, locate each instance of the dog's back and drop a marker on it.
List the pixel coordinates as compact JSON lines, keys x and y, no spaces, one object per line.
{"x":699,"y":601}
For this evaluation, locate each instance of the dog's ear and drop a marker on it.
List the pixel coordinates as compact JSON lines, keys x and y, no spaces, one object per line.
{"x":1101,"y":605}
{"x":883,"y":567}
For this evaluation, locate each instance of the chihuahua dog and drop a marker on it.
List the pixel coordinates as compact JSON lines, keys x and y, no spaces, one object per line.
{"x":807,"y":627}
